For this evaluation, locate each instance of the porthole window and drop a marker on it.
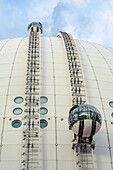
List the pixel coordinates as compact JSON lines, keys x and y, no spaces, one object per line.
{"x":18,"y":100}
{"x":43,"y":123}
{"x":112,"y":114}
{"x":43,"y":111}
{"x":111,"y":104}
{"x":43,"y":99}
{"x":17,"y":111}
{"x":16,"y":123}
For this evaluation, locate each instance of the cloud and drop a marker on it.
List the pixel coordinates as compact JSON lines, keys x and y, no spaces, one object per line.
{"x":41,"y":9}
{"x":42,"y":12}
{"x":84,"y":19}
{"x":101,"y":28}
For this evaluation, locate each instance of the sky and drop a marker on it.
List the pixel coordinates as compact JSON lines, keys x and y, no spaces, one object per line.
{"x":90,"y":20}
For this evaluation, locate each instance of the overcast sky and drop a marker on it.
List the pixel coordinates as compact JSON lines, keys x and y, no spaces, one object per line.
{"x":90,"y":20}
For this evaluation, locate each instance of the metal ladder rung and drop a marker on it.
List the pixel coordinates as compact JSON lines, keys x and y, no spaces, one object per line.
{"x":76,"y":85}
{"x":33,"y":67}
{"x":30,"y":132}
{"x":32,"y":111}
{"x":32,"y":83}
{"x":31,"y":117}
{"x":86,"y":162}
{"x":33,"y":138}
{"x":80,"y":95}
{"x":31,"y":93}
{"x":31,"y":104}
{"x":36,"y":75}
{"x":86,"y":154}
{"x":32,"y":162}
{"x":34,"y":60}
{"x":24,"y":146}
{"x":30,"y":74}
{"x":31,"y":154}
{"x":35,"y":124}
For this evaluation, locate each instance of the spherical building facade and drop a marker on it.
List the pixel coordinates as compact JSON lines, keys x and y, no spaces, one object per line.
{"x":36,"y":96}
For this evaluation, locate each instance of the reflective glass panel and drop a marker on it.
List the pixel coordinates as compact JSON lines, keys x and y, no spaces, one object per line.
{"x":43,"y":123}
{"x":43,"y":111}
{"x":43,"y":99}
{"x":16,"y":123}
{"x":18,"y":99}
{"x":17,"y":111}
{"x":111,"y":104}
{"x":84,"y":112}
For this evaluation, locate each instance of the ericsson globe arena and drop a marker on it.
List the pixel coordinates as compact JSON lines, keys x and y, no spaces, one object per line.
{"x":56,"y":102}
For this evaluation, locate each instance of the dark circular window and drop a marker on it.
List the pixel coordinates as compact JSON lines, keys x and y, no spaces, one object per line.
{"x":43,"y":111}
{"x":17,"y":111}
{"x":43,"y":99}
{"x":112,"y":114}
{"x":43,"y":123}
{"x":111,"y":104}
{"x":18,"y":99}
{"x":16,"y":123}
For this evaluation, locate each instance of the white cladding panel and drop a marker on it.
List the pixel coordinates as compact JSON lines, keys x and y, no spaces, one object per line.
{"x":13,"y":58}
{"x":97,"y":64}
{"x":98,"y":75}
{"x":55,"y":86}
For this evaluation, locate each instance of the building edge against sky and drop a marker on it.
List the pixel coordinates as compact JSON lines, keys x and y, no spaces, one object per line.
{"x":41,"y":78}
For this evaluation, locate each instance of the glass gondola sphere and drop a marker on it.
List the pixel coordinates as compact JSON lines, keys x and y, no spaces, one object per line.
{"x":86,"y":114}
{"x":35,"y":24}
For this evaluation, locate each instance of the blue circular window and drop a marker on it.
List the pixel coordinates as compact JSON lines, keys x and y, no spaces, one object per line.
{"x":43,"y":99}
{"x":43,"y":123}
{"x":16,"y":123}
{"x":43,"y":111}
{"x":112,"y":114}
{"x":111,"y":104}
{"x":17,"y":111}
{"x":18,"y":100}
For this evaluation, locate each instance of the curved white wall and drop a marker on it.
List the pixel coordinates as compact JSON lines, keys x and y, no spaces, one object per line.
{"x":97,"y":64}
{"x":12,"y":84}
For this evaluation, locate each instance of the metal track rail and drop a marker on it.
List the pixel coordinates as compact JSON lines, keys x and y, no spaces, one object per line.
{"x":83,"y":153}
{"x":31,"y":130}
{"x":76,"y":76}
{"x":84,"y":157}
